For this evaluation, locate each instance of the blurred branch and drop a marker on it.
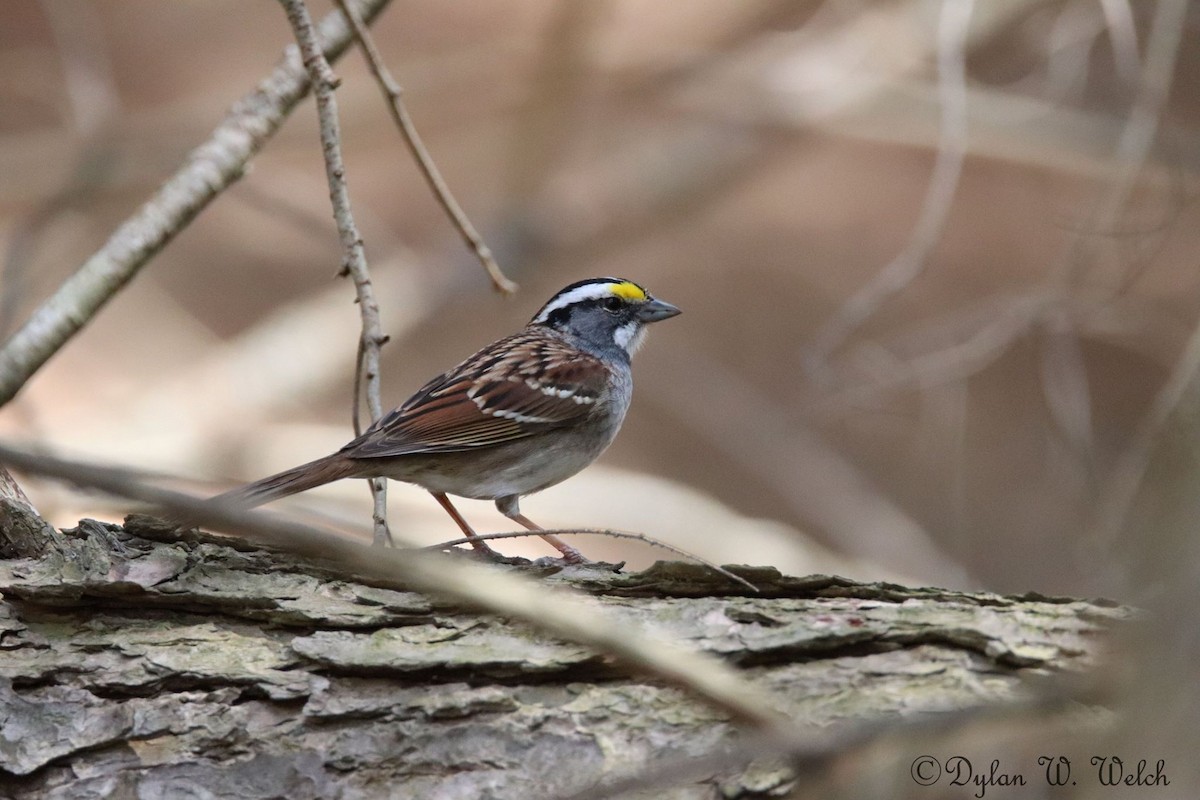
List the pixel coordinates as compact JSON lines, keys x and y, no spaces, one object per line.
{"x":1133,"y":149}
{"x":1064,"y":380}
{"x":208,"y":171}
{"x":1137,"y":138}
{"x":170,"y":424}
{"x":1141,"y":128}
{"x":819,"y":483}
{"x":1070,"y":42}
{"x":1122,"y":33}
{"x":93,"y":167}
{"x":1125,"y":480}
{"x":847,"y":73}
{"x":943,"y":350}
{"x":476,"y":586}
{"x":954,"y":346}
{"x":558,"y":81}
{"x":87,"y":67}
{"x":94,"y":101}
{"x":393,"y":94}
{"x":841,"y":761}
{"x":904,"y":268}
{"x":354,"y":259}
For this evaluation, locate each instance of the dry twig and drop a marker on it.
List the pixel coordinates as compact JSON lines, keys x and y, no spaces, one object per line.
{"x":392,"y":92}
{"x":354,"y":259}
{"x":639,"y":537}
{"x":208,"y":171}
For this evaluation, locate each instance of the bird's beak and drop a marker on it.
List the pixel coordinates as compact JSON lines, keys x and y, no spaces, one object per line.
{"x":656,"y":310}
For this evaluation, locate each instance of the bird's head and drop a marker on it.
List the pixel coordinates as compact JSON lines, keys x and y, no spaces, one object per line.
{"x":604,"y":312}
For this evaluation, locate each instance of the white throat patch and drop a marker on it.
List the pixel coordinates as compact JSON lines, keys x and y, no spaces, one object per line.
{"x":630,"y":336}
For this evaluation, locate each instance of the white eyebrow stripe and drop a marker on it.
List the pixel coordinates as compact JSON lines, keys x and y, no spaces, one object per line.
{"x":592,"y":291}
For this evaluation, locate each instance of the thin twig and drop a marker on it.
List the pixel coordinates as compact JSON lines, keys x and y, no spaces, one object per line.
{"x":953,"y":28}
{"x":486,"y":588}
{"x":393,"y":94}
{"x":382,"y":535}
{"x":208,"y":171}
{"x":354,"y":259}
{"x":640,"y":537}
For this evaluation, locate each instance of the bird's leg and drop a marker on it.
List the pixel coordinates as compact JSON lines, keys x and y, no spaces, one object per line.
{"x":476,"y":542}
{"x":511,"y":508}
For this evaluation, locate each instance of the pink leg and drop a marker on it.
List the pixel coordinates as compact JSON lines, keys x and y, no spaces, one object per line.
{"x":479,"y":545}
{"x":509,"y":507}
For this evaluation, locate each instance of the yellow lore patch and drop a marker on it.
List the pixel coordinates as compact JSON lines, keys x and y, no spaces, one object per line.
{"x":629,"y":291}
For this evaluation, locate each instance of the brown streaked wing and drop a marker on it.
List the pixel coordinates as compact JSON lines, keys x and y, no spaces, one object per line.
{"x":516,"y":387}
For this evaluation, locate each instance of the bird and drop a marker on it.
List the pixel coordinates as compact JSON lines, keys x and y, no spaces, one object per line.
{"x":522,"y":414}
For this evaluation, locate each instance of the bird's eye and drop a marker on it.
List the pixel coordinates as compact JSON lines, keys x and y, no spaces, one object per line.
{"x":612,"y":304}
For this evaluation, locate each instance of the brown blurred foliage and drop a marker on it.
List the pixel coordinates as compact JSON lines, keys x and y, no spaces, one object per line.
{"x":756,"y":163}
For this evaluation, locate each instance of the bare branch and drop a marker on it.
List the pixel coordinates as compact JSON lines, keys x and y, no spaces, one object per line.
{"x":208,"y":171}
{"x":900,"y":271}
{"x":485,"y":588}
{"x":354,"y":258}
{"x":392,"y":92}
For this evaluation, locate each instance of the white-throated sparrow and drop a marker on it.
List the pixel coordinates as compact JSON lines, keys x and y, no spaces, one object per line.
{"x":522,"y":414}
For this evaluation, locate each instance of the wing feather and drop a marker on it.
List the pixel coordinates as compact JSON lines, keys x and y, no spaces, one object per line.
{"x":516,"y":387}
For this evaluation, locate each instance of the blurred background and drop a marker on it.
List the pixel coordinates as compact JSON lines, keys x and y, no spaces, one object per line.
{"x":937,"y":262}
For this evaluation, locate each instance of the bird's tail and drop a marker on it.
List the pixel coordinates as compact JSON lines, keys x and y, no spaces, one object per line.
{"x":298,"y":479}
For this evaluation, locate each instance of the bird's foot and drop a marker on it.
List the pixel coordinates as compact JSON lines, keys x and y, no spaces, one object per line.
{"x":486,"y":554}
{"x":572,"y":556}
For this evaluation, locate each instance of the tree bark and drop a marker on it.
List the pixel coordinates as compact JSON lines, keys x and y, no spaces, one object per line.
{"x":139,"y":663}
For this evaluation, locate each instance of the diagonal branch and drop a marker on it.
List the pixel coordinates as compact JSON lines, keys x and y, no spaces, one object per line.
{"x":209,"y":170}
{"x":354,"y":258}
{"x":485,"y":588}
{"x":392,"y":91}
